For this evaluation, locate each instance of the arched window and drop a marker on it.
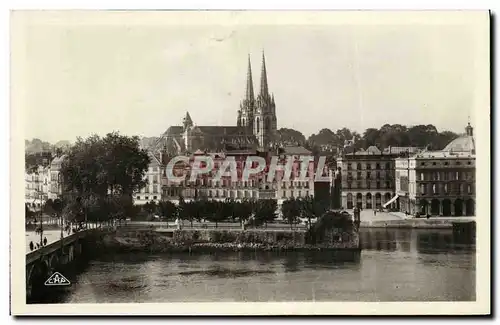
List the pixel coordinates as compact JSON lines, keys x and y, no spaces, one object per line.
{"x":358,"y":166}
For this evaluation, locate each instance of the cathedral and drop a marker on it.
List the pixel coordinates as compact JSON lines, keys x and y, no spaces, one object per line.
{"x":255,"y":127}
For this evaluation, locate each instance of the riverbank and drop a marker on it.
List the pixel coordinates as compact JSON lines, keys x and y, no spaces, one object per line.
{"x":194,"y":241}
{"x":415,"y":223}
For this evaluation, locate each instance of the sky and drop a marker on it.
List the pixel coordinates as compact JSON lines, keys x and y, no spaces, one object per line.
{"x":139,"y":76}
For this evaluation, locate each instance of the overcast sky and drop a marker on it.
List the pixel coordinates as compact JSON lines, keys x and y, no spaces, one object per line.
{"x":141,"y":78}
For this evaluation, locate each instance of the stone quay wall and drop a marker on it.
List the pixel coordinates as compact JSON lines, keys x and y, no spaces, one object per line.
{"x":165,"y":240}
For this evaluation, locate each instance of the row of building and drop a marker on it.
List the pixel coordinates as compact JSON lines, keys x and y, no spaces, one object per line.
{"x":406,"y":179}
{"x":412,"y":180}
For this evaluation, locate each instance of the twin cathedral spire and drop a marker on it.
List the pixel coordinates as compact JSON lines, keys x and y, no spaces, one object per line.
{"x":258,"y":115}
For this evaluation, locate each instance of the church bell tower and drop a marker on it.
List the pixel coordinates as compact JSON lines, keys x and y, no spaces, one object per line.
{"x":264,"y":119}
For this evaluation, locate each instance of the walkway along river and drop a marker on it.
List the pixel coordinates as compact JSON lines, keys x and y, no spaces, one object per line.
{"x":394,"y":265}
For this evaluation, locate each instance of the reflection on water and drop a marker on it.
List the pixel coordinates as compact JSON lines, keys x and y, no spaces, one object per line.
{"x":395,"y":265}
{"x":407,"y":240}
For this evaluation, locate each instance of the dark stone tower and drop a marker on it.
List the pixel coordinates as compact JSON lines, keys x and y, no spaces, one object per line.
{"x":247,"y":105}
{"x":265,"y":123}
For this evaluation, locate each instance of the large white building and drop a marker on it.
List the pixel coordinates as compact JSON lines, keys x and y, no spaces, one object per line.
{"x":439,"y":182}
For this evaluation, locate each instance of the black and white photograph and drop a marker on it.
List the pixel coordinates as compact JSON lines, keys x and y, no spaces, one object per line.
{"x":250,"y":162}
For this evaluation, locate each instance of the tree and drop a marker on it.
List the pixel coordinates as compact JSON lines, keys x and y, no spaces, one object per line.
{"x":150,"y":207}
{"x":27,"y":211}
{"x":167,"y":209}
{"x":287,"y":136}
{"x":227,"y":209}
{"x":48,"y":207}
{"x":214,"y":213}
{"x":265,"y":211}
{"x":243,"y":210}
{"x":332,"y":220}
{"x":98,"y":169}
{"x":312,"y":208}
{"x":291,"y":211}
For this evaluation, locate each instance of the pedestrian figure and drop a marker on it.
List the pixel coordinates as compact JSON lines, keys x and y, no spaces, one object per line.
{"x":44,"y":241}
{"x":375,"y":212}
{"x":37,"y":245}
{"x":31,"y":245}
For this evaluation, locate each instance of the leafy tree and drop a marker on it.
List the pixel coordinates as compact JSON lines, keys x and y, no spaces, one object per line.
{"x":27,"y":211}
{"x":244,"y":209}
{"x":291,"y":211}
{"x":167,"y":209}
{"x":312,"y":208}
{"x":265,"y":211}
{"x":287,"y":136}
{"x":332,"y":220}
{"x":150,"y":207}
{"x":98,"y":169}
{"x":48,"y":207}
{"x":213,"y":211}
{"x":227,"y":209}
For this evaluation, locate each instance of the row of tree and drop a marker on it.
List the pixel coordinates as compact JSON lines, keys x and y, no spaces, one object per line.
{"x":256,"y":212}
{"x":395,"y":135}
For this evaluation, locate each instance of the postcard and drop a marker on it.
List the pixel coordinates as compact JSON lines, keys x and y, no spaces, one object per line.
{"x":250,"y":162}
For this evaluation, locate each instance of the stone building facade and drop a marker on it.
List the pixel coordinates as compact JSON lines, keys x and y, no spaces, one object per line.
{"x":367,"y":178}
{"x":439,"y":182}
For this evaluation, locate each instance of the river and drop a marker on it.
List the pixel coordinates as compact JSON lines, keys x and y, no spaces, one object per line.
{"x":394,"y":265}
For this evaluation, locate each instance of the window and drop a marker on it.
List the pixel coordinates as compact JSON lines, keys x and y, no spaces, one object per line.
{"x":378,"y":185}
{"x":349,"y":185}
{"x":422,"y":176}
{"x":469,"y":189}
{"x":155,"y":189}
{"x":434,"y":189}
{"x":387,"y":165}
{"x":434,"y":163}
{"x":146,"y":198}
{"x":422,"y":189}
{"x":422,"y":164}
{"x":378,"y":175}
{"x":359,"y":175}
{"x":468,"y":163}
{"x":388,"y":184}
{"x":368,"y":175}
{"x":377,"y":166}
{"x":368,"y":184}
{"x":359,"y":184}
{"x":138,"y":198}
{"x":368,"y":166}
{"x":446,"y":163}
{"x":146,"y":189}
{"x":349,"y":167}
{"x":358,"y":166}
{"x":458,"y":162}
{"x":154,"y":197}
{"x":446,"y":188}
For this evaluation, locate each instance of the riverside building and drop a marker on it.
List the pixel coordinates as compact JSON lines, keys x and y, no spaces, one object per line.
{"x":439,"y":183}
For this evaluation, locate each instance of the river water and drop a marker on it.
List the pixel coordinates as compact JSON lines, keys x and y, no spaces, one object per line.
{"x":394,"y":265}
